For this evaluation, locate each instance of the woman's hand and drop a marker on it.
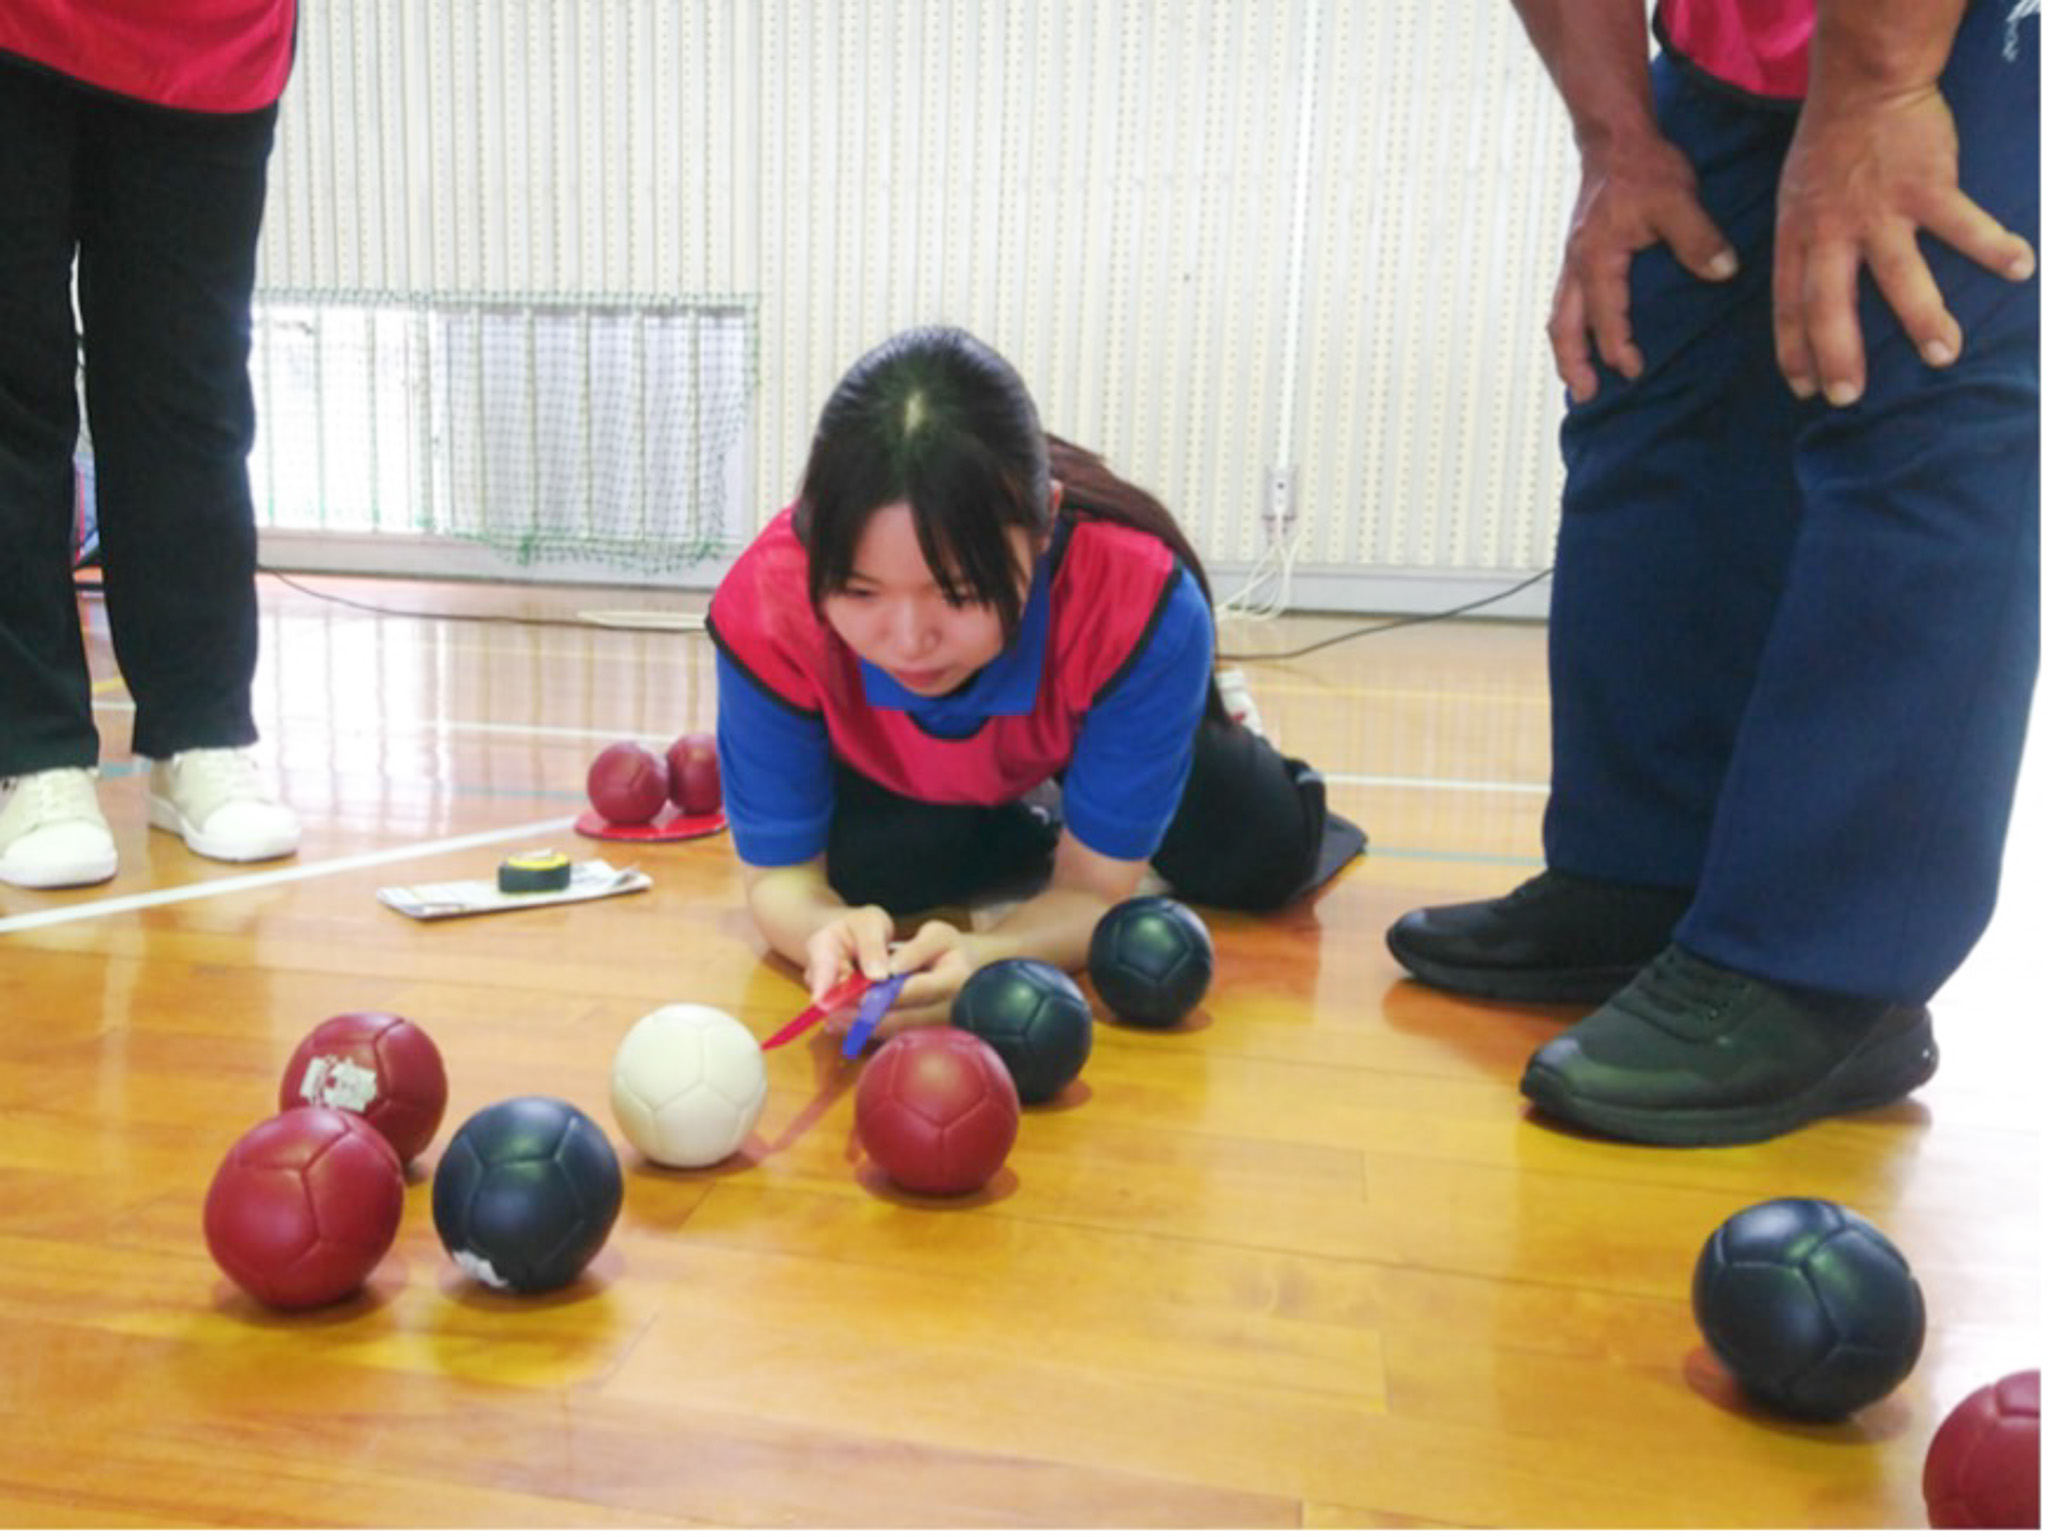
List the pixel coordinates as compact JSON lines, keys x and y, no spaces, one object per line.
{"x":856,"y":940}
{"x":938,"y":959}
{"x":1053,"y":926}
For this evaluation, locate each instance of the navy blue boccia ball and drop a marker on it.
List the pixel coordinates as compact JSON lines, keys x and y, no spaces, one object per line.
{"x":1151,"y":960}
{"x":1034,"y":1016}
{"x":1814,"y":1312}
{"x":526,"y":1194}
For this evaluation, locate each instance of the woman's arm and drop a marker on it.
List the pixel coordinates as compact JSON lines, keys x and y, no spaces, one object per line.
{"x":775,"y":764}
{"x":1054,"y":926}
{"x":805,"y":921}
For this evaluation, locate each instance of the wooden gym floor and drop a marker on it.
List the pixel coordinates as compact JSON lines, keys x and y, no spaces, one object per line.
{"x":1304,"y":1263}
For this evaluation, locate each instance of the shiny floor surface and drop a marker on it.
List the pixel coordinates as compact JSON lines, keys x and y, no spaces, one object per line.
{"x":1305,"y":1261}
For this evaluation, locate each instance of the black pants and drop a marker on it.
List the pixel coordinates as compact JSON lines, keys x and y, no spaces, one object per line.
{"x":1248,"y":835}
{"x":160,"y":211}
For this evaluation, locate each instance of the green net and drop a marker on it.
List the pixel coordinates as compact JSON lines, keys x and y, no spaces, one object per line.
{"x":551,"y":430}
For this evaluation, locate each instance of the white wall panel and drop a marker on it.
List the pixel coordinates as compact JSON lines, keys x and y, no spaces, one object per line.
{"x":1221,"y":238}
{"x":1442,"y":178}
{"x":1100,"y":190}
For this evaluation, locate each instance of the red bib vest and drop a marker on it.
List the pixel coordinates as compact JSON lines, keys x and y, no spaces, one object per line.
{"x":1108,"y":584}
{"x":197,"y":55}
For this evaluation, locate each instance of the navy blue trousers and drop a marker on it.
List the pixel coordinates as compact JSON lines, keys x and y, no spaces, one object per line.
{"x":1793,"y":647}
{"x":159,"y":211}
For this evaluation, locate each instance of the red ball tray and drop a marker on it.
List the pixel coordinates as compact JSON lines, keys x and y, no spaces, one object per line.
{"x":672,"y":828}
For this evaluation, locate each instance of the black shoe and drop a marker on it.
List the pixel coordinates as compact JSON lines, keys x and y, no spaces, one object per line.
{"x":1555,"y":939}
{"x":1691,"y":1054}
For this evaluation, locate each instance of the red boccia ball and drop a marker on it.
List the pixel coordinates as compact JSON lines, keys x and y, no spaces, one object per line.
{"x":383,"y":1067}
{"x":628,"y":784}
{"x":303,"y":1207}
{"x":937,"y":1110}
{"x":693,"y":782}
{"x":1983,"y":1467}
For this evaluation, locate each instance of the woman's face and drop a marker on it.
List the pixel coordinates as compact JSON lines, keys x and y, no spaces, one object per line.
{"x":894,"y":612}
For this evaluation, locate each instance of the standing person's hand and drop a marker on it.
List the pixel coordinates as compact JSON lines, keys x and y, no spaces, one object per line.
{"x":1866,"y":174}
{"x":1632,"y":195}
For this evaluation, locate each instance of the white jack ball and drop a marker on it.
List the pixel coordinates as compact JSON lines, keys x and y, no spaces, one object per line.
{"x":688,"y":1084}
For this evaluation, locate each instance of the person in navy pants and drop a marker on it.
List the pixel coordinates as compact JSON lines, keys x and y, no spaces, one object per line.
{"x":1795,"y":622}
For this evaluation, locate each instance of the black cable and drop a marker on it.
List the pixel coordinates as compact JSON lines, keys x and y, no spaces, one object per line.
{"x":1392,"y":624}
{"x":538,"y":622}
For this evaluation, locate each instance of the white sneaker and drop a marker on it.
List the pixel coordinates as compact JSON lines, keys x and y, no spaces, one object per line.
{"x":1237,"y":700}
{"x":210,"y":797}
{"x":51,"y":831}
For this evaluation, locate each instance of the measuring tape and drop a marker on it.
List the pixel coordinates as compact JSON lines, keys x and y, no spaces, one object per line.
{"x":542,"y":870}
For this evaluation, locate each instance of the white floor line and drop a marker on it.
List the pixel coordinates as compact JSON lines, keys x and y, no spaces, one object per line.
{"x":562,"y":733}
{"x":418,"y":728}
{"x":282,"y":730}
{"x":283,"y":875}
{"x":1401,"y":782}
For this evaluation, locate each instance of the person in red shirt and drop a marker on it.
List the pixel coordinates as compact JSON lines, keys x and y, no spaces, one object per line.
{"x":958,"y":614}
{"x":134,"y":144}
{"x":1795,"y":622}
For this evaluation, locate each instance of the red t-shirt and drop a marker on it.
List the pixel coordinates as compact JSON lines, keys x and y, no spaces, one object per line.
{"x":1757,"y":46}
{"x":197,"y":55}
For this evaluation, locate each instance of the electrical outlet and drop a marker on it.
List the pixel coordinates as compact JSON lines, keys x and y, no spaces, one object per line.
{"x":1280,"y":508}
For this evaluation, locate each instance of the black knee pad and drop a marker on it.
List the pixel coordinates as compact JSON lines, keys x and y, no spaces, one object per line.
{"x":1249,"y":830}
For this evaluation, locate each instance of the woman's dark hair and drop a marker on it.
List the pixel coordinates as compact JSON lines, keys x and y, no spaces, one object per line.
{"x":938,"y":419}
